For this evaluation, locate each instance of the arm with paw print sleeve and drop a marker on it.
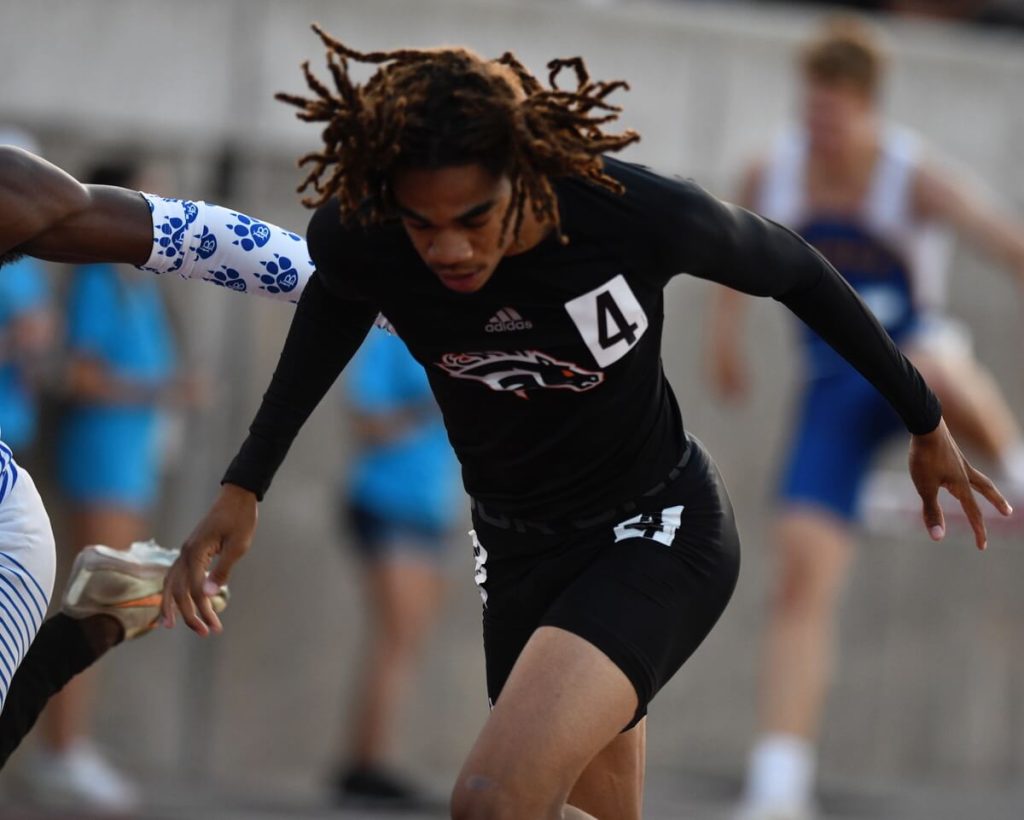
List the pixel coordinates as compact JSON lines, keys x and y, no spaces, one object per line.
{"x":199,"y":240}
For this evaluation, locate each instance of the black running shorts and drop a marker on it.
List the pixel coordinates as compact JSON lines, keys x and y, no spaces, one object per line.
{"x":645,"y":588}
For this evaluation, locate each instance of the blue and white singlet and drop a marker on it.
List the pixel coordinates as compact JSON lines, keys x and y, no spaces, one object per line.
{"x":895,"y":261}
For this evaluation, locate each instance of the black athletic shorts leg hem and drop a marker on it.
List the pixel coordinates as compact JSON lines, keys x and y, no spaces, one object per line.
{"x":645,"y":591}
{"x":610,"y":645}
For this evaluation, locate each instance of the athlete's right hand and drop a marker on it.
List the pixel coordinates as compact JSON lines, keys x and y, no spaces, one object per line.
{"x":225,"y":531}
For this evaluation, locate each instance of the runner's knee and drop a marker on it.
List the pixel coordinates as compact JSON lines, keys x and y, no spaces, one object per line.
{"x":810,"y":571}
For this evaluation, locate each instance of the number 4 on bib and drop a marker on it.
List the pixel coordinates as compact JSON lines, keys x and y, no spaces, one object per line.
{"x":609,"y":319}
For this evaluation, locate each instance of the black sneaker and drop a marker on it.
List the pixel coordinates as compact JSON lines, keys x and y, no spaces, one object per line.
{"x":375,"y":786}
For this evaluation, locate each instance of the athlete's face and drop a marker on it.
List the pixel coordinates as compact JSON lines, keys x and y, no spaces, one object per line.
{"x":453,"y":217}
{"x":836,"y":115}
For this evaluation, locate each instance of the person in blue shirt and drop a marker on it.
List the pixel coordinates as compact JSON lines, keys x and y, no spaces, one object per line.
{"x":26,"y":334}
{"x":48,"y":214}
{"x":400,"y":504}
{"x":122,"y":368}
{"x":122,"y":372}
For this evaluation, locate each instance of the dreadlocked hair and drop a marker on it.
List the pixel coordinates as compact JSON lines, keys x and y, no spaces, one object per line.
{"x":434,"y":108}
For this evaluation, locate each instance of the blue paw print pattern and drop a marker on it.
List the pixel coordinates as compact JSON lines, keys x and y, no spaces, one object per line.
{"x":251,"y":233}
{"x":281,"y":276}
{"x":207,"y":244}
{"x":228,"y":278}
{"x":171,"y":232}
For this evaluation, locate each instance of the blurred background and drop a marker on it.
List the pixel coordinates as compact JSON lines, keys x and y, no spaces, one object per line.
{"x":926,"y":718}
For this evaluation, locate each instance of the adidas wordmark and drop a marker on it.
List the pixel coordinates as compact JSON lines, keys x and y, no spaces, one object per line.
{"x":506,"y":320}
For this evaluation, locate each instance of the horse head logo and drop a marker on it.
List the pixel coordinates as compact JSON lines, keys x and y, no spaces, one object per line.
{"x":519,"y":371}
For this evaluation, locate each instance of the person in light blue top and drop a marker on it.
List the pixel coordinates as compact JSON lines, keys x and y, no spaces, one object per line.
{"x":401,"y":500}
{"x":406,"y":471}
{"x":123,"y":363}
{"x":122,"y":373}
{"x":26,"y":333}
{"x":45,"y":212}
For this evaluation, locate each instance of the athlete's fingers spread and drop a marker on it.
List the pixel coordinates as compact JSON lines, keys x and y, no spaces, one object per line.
{"x":964,"y":494}
{"x":225,"y":531}
{"x":197,"y":591}
{"x":167,"y":599}
{"x":173,"y":584}
{"x":234,"y":548}
{"x":183,"y":600}
{"x":934,"y":521}
{"x":984,"y":485}
{"x":184,"y":582}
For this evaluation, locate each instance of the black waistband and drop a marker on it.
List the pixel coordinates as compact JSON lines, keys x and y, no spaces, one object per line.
{"x":504,"y":521}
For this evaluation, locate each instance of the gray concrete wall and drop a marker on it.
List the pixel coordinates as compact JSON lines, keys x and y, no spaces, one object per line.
{"x":932,"y":669}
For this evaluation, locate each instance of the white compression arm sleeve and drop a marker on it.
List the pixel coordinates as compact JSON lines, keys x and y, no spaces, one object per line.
{"x":198,"y":240}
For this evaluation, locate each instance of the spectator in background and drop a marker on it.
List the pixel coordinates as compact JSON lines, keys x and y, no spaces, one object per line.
{"x":26,"y":337}
{"x":109,"y":596}
{"x":27,"y":333}
{"x":876,"y":204}
{"x":121,"y":375}
{"x":400,"y":506}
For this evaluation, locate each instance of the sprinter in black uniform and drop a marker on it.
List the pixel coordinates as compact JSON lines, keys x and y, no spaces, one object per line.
{"x":455,"y":193}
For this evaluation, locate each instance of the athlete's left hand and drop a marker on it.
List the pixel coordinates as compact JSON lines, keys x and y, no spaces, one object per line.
{"x":936,"y":462}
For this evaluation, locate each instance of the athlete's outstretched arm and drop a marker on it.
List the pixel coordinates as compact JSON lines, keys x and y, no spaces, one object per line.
{"x":732,"y":246}
{"x":46,"y":213}
{"x":327,"y":330}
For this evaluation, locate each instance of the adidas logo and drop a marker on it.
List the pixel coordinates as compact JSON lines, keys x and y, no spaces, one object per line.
{"x":507,"y":319}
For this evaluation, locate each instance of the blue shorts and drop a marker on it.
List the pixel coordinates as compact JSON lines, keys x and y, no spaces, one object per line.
{"x":110,"y":456}
{"x":842,"y":423}
{"x":377,"y":536}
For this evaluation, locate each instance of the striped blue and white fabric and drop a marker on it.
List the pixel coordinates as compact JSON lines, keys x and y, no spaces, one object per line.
{"x":8,"y":471}
{"x":27,"y":565}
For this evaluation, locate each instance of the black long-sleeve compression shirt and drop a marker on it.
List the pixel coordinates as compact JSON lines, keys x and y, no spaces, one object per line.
{"x":550,"y":377}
